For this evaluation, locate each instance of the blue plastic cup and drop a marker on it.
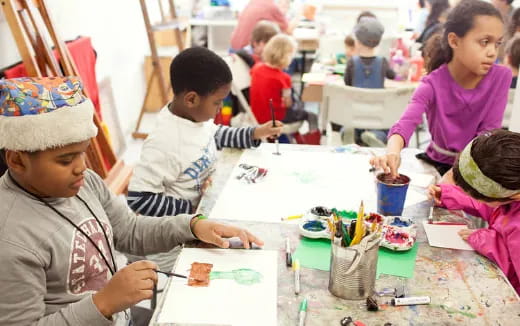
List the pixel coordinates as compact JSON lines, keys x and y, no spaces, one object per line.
{"x":391,"y":194}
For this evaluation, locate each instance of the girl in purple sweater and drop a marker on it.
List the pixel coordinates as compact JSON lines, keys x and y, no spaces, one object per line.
{"x":464,"y":94}
{"x":488,"y":170}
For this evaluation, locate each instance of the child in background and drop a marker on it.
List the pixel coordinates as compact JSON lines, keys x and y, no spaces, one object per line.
{"x":179,"y":156}
{"x":350,"y":50}
{"x":350,"y":46}
{"x":464,"y":94}
{"x":436,"y":17}
{"x":341,"y":58}
{"x":264,"y":30}
{"x":488,"y":170}
{"x":60,"y":224}
{"x":269,"y":81}
{"x":366,"y":70}
{"x":363,"y":14}
{"x":514,"y":24}
{"x":421,"y":15}
{"x":512,"y":58}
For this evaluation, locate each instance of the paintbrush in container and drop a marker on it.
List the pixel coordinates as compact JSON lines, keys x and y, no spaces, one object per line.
{"x":271,"y":106}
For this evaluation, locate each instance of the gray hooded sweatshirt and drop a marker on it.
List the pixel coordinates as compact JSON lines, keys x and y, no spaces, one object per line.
{"x":49,"y":270}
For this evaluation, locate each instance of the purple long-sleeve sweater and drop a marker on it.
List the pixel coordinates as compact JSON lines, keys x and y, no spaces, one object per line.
{"x":455,"y":115}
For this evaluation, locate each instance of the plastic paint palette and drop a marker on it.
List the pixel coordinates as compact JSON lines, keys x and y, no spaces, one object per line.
{"x":314,"y":226}
{"x":399,"y":233}
{"x":315,"y":229}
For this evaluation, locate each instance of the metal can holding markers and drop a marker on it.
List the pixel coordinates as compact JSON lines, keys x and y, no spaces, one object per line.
{"x":353,"y":269}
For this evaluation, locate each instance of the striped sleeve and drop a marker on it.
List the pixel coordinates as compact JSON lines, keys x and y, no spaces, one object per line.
{"x":152,"y":204}
{"x":236,"y":137}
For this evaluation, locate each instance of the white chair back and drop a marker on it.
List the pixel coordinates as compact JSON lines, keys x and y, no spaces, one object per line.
{"x":241,"y":80}
{"x":363,"y":108}
{"x":509,"y":108}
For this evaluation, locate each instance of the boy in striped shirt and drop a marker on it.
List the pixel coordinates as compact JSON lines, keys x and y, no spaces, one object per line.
{"x":179,"y":156}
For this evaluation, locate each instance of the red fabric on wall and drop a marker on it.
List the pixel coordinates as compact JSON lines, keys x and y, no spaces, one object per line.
{"x":16,"y":71}
{"x":84,"y":57}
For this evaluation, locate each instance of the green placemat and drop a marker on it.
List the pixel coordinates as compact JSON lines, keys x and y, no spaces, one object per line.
{"x":398,"y":263}
{"x":313,"y":253}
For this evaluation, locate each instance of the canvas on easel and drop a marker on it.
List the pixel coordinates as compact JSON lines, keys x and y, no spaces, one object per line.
{"x":35,"y":36}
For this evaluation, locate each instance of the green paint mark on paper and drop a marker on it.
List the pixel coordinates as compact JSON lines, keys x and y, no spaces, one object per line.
{"x":455,"y":311}
{"x":306,"y":177}
{"x":243,"y":276}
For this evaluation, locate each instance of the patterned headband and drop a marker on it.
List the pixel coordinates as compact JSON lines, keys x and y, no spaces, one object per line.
{"x":474,"y":177}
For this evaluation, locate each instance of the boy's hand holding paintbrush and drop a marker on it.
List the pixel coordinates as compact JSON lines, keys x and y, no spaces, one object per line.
{"x":128,"y":286}
{"x":267,"y":130}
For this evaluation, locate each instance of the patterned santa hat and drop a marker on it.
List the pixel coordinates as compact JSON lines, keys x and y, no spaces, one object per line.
{"x":42,"y":113}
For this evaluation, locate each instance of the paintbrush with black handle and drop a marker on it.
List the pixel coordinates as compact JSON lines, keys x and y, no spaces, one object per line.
{"x":177,"y":275}
{"x":271,"y":106}
{"x":171,"y":274}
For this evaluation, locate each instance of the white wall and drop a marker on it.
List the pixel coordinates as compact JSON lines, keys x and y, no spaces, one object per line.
{"x":119,"y":37}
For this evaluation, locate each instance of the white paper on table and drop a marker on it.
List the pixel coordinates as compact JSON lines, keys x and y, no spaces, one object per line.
{"x":419,"y":179}
{"x":415,"y":196}
{"x":445,"y":236}
{"x":295,"y":182}
{"x":224,"y":301}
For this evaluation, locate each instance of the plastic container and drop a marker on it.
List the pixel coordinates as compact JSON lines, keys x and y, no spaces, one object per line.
{"x":397,"y":62}
{"x":416,"y":68}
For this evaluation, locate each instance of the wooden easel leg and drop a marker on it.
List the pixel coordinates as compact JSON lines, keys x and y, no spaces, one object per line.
{"x":136,"y":134}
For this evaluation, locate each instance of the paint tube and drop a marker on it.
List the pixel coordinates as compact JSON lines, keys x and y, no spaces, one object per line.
{"x":410,"y":301}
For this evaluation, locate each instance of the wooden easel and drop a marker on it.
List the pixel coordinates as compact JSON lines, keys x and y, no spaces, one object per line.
{"x":167,"y":22}
{"x":32,"y":27}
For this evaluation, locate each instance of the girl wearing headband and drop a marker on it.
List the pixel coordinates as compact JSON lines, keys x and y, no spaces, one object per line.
{"x":488,"y":170}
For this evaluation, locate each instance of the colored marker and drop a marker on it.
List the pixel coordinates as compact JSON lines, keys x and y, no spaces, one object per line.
{"x":303,"y":312}
{"x":410,"y":301}
{"x":288,"y":258}
{"x":296,"y":268}
{"x":293,"y":217}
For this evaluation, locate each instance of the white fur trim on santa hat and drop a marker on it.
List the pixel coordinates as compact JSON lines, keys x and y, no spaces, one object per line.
{"x":63,"y":126}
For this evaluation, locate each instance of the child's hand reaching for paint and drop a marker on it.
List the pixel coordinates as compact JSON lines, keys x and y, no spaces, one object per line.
{"x":267,"y":130}
{"x":464,"y":234}
{"x":434,"y":192}
{"x":218,"y":233}
{"x":130,"y":285}
{"x":389,"y":163}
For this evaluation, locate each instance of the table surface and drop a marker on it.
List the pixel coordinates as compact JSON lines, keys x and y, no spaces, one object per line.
{"x":465,"y":288}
